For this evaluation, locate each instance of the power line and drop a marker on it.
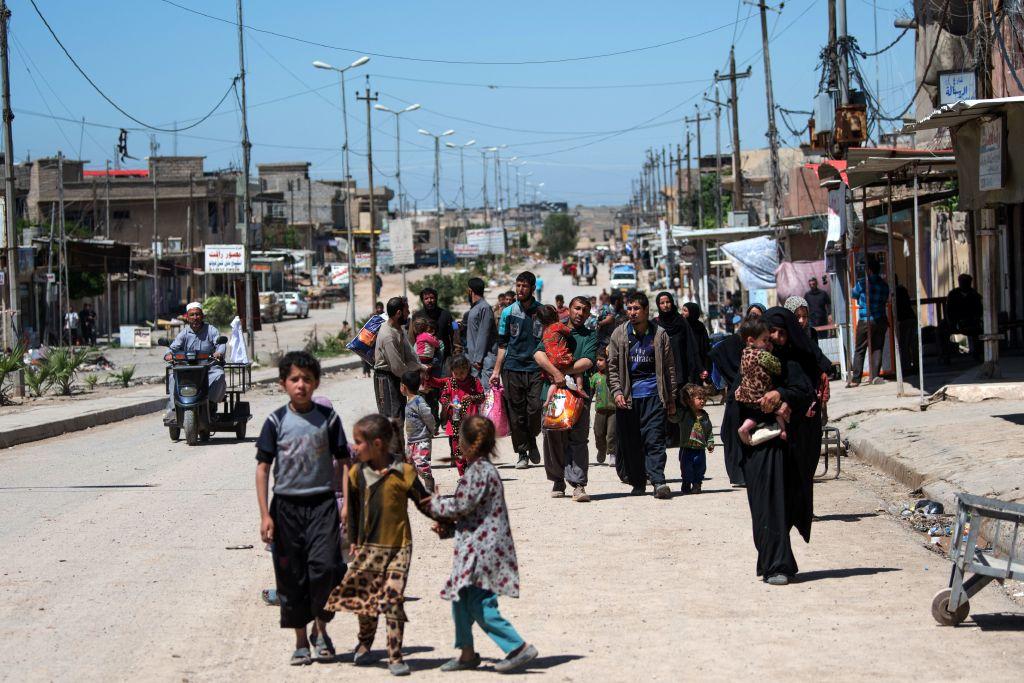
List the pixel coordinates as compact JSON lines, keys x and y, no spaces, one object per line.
{"x":114,"y":104}
{"x":559,"y":60}
{"x":510,"y":86}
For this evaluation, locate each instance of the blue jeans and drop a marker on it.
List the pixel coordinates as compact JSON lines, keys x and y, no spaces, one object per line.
{"x":693,"y":463}
{"x":476,"y":604}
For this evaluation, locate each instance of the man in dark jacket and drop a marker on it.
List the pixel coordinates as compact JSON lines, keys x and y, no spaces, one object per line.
{"x":442,"y":321}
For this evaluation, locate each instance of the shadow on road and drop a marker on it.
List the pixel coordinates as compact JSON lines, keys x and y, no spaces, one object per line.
{"x":847,"y":517}
{"x":821,"y":574}
{"x":1001,"y":621}
{"x":80,"y":487}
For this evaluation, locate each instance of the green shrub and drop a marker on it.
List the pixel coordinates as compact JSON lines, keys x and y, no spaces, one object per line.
{"x":450,"y":288}
{"x":219,"y":310}
{"x":37,"y":379}
{"x":63,"y":364}
{"x":10,"y":364}
{"x":124,"y":375}
{"x":91,"y":381}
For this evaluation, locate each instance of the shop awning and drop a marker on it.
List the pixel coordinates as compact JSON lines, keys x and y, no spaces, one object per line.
{"x":957,"y":113}
{"x":875,"y":171}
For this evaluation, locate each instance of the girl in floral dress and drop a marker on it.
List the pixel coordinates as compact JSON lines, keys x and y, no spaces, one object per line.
{"x":485,"y":557}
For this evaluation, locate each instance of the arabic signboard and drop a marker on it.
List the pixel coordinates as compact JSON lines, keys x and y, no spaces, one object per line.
{"x":467,"y":251}
{"x":402,"y":246}
{"x":339,"y":274}
{"x":956,"y":86}
{"x":487,"y":240}
{"x":363,"y":260}
{"x":990,"y":155}
{"x":224,"y":258}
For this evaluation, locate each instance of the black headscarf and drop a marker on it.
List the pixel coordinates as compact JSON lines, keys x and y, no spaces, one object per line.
{"x":671,"y":321}
{"x":685,"y":348}
{"x":700,"y":333}
{"x":799,"y":345}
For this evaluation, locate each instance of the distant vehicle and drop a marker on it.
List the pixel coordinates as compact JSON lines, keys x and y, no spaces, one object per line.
{"x":623,"y":279}
{"x":271,"y":307}
{"x":295,"y":304}
{"x":425,"y":259}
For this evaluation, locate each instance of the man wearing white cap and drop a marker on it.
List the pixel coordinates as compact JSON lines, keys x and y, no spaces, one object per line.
{"x":198,"y":337}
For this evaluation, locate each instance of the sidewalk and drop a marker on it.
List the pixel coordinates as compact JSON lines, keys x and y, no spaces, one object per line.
{"x":35,"y":423}
{"x":953,"y":446}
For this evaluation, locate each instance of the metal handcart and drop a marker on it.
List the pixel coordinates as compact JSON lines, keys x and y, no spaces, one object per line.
{"x":997,"y":561}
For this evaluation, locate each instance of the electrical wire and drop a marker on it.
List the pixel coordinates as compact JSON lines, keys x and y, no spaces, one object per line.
{"x":887,"y":47}
{"x":509,"y":86}
{"x":998,"y":29}
{"x":114,"y":104}
{"x":559,"y":60}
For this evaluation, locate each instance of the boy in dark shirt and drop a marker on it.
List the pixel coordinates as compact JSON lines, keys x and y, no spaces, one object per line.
{"x":302,"y":440}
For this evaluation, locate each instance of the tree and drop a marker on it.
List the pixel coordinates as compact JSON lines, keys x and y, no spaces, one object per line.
{"x":560,"y":235}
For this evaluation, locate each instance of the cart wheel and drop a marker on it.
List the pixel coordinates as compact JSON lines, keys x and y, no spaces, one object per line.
{"x":175,"y":433}
{"x":240,"y":431}
{"x":204,"y":436}
{"x":940,"y":609}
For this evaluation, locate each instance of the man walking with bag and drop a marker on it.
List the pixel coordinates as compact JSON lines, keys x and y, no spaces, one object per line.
{"x":565,"y":451}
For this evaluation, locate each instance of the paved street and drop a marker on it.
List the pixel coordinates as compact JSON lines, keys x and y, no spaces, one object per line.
{"x":117,"y":567}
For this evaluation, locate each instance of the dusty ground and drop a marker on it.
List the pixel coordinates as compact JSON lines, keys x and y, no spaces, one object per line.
{"x":116,"y":567}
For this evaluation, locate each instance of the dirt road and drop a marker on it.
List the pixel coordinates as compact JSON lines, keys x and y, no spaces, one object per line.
{"x":116,"y":567}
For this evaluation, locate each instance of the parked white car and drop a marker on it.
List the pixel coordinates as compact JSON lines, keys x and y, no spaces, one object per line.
{"x":295,"y":304}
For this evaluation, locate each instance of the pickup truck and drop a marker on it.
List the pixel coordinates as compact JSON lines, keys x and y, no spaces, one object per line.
{"x":623,"y":279}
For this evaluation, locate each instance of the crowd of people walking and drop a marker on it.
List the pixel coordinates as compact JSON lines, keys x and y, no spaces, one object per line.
{"x":640,"y":376}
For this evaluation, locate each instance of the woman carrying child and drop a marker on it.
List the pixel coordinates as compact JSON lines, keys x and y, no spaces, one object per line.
{"x":380,"y":539}
{"x":485,"y":563}
{"x":759,"y":373}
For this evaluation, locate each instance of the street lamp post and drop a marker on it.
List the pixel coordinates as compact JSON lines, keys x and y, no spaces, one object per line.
{"x":437,"y":187}
{"x":462,"y":176}
{"x":398,"y":150}
{"x":344,"y":158}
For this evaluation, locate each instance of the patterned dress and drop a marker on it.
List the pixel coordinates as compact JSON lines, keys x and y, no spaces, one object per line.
{"x":459,"y":399}
{"x":378,"y":524}
{"x":485,"y":555}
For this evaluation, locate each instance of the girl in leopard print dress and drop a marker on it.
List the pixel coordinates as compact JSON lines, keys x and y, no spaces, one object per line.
{"x":378,"y":530}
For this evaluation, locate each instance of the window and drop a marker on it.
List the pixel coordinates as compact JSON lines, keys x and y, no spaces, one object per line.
{"x":121,"y":215}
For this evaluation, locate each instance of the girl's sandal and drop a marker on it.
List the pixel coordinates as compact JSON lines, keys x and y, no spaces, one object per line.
{"x":324,"y":648}
{"x":301,"y":657}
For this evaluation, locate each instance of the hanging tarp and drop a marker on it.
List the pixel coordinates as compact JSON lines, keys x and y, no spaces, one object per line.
{"x":791,"y":277}
{"x":755,"y":261}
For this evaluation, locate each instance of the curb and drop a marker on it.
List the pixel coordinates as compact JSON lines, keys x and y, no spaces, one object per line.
{"x":867,"y":451}
{"x":49,"y":430}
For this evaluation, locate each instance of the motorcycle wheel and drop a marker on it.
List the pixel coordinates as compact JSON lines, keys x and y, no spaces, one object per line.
{"x":175,"y":433}
{"x":190,"y":427}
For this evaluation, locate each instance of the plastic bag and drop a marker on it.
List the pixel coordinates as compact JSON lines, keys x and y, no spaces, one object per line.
{"x":563,"y":410}
{"x":362,"y":344}
{"x":494,"y":410}
{"x":237,"y":352}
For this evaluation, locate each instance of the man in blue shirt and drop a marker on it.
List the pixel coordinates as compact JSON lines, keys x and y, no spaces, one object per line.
{"x":872,"y":295}
{"x":519,"y":332}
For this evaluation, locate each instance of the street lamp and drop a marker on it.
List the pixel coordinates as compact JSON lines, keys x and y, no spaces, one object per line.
{"x":437,"y":186}
{"x":344,"y":148}
{"x":462,"y":173}
{"x":398,"y":151}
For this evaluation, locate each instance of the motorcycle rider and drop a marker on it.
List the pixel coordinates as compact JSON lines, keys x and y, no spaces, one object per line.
{"x":198,"y":337}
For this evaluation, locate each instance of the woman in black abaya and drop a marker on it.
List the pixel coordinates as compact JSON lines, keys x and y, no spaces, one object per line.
{"x":726,"y":357}
{"x":692,"y":313}
{"x":777,"y":490}
{"x":684,"y":350}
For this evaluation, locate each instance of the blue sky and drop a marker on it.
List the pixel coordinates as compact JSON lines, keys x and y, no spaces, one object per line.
{"x":163,"y":64}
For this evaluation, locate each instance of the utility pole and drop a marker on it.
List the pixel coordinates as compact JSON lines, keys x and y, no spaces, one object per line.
{"x":734,"y":103}
{"x":487,"y":216}
{"x":251,"y":310}
{"x":775,"y":200}
{"x":689,"y":174}
{"x":697,"y":119}
{"x":842,"y":61}
{"x":679,"y":184}
{"x":189,"y":220}
{"x":153,"y":147}
{"x":370,"y":99}
{"x":10,"y":199}
{"x":718,"y":156}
